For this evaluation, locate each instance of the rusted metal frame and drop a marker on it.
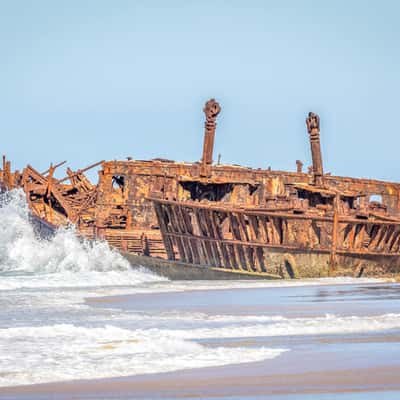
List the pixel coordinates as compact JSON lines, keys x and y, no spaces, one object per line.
{"x":382,"y":240}
{"x":174,"y":221}
{"x":183,"y":228}
{"x":63,"y":202}
{"x":359,"y":236}
{"x":384,"y":217}
{"x":394,"y":243}
{"x":351,"y":235}
{"x":55,"y":167}
{"x":208,"y":218}
{"x":229,"y":250}
{"x":262,"y":223}
{"x":368,"y":235}
{"x":255,"y":237}
{"x":223,"y":256}
{"x":261,"y":195}
{"x":49,"y":192}
{"x":388,"y":238}
{"x":316,"y":231}
{"x":375,"y":236}
{"x":235,"y":247}
{"x":254,"y":229}
{"x":286,"y":231}
{"x":335,"y":226}
{"x":271,"y":230}
{"x":50,"y":186}
{"x":294,"y":248}
{"x":164,"y":231}
{"x":206,"y":246}
{"x":200,"y":245}
{"x":276,"y":226}
{"x":248,"y":251}
{"x":84,"y":205}
{"x":396,"y":246}
{"x":382,"y":234}
{"x":246,"y":210}
{"x":342,"y":219}
{"x":80,"y":171}
{"x":232,"y":256}
{"x":242,"y":229}
{"x":237,"y":243}
{"x":207,"y":251}
{"x":79,"y":181}
{"x":181,"y":244}
{"x":189,"y":229}
{"x":32,"y":173}
{"x":367,"y":222}
{"x":170,"y":228}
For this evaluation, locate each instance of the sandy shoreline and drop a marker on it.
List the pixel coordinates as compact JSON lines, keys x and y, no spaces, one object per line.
{"x":283,"y":377}
{"x":352,"y":363}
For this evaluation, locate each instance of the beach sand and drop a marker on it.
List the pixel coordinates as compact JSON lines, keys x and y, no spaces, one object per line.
{"x":300,"y":374}
{"x":351,"y":366}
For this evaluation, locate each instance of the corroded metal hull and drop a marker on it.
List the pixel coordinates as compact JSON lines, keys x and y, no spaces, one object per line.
{"x":177,"y":270}
{"x":280,"y":244}
{"x":250,"y":221}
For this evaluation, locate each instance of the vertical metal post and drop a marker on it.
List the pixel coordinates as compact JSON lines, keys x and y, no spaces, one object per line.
{"x":333,"y":260}
{"x":312,"y":122}
{"x":211,"y":110}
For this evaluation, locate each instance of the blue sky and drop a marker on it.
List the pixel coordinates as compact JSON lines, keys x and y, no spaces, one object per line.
{"x":89,"y":80}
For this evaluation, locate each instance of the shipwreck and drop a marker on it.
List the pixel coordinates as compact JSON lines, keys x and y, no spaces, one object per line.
{"x":208,"y":220}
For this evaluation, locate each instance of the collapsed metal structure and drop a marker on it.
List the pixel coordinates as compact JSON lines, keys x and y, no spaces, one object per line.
{"x":239,"y":219}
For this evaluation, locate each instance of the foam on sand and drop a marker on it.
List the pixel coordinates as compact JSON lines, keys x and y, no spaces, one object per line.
{"x":64,"y":352}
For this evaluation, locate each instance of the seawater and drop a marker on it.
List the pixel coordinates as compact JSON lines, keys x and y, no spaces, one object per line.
{"x":57,"y":322}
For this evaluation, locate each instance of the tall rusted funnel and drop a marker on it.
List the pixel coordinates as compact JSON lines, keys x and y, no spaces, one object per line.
{"x":312,"y":122}
{"x":211,"y":110}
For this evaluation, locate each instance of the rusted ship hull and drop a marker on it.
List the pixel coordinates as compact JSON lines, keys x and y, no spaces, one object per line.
{"x":327,"y":224}
{"x":178,"y":270}
{"x":278,"y":244}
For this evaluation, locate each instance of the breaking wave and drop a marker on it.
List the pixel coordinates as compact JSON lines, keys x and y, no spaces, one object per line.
{"x":267,"y":326}
{"x":61,"y":258}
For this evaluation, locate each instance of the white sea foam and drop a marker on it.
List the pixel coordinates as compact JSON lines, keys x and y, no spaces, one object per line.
{"x":64,"y":352}
{"x":62,"y":261}
{"x":238,"y":327}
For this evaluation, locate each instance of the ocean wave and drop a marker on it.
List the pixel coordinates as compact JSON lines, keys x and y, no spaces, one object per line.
{"x":64,"y":352}
{"x":64,"y":260}
{"x":238,"y":326}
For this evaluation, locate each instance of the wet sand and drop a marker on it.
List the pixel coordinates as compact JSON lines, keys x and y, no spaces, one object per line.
{"x":351,"y":366}
{"x":306,"y":373}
